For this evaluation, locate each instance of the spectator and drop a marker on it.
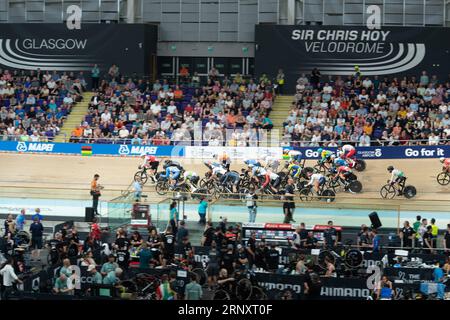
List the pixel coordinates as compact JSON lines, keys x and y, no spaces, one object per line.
{"x":446,"y":241}
{"x":173,"y":217}
{"x":289,"y":204}
{"x":36,"y":230}
{"x":330,"y":236}
{"x":434,"y":232}
{"x":193,"y":291}
{"x":95,"y":75}
{"x":164,"y":291}
{"x":407,"y":235}
{"x":113,"y":277}
{"x":202,"y":207}
{"x":109,"y":266}
{"x":251,"y":198}
{"x":95,"y":275}
{"x":37,"y":214}
{"x":20,"y":220}
{"x":95,"y":193}
{"x":145,"y":256}
{"x":182,"y":233}
{"x":62,"y":286}
{"x":9,"y":277}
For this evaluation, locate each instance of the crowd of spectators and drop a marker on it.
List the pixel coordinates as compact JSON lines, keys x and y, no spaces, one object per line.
{"x":368,"y":110}
{"x":34,"y":104}
{"x":233,"y":112}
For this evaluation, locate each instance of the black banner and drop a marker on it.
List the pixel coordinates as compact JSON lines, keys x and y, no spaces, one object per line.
{"x":55,"y":47}
{"x":335,"y":50}
{"x":410,"y":275}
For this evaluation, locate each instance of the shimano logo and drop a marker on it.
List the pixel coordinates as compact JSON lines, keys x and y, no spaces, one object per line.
{"x":281,"y":286}
{"x":54,"y":44}
{"x":344,"y":292}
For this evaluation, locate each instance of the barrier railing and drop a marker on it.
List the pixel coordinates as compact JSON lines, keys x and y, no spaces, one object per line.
{"x":274,"y":141}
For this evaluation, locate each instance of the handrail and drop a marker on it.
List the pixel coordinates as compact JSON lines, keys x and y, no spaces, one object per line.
{"x":274,"y":141}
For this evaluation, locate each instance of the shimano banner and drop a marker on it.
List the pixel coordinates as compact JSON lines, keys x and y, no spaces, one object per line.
{"x":335,"y":50}
{"x":95,"y":149}
{"x":55,"y":47}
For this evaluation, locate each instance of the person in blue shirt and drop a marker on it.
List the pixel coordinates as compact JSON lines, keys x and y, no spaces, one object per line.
{"x":376,"y":241}
{"x":145,"y":256}
{"x":202,"y":207}
{"x":37,"y":214}
{"x":20,"y":220}
{"x":172,"y":173}
{"x":112,"y":277}
{"x":174,"y":217}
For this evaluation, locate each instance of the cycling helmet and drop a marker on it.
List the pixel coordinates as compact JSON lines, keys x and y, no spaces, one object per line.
{"x":286,"y":151}
{"x":441,"y":159}
{"x":152,"y":159}
{"x":319,"y":150}
{"x":390,"y":168}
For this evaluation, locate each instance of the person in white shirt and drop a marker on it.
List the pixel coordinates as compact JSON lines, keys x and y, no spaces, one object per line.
{"x":327,"y":88}
{"x":9,"y":277}
{"x":156,"y":108}
{"x":211,"y":125}
{"x":124,"y":133}
{"x":316,"y":180}
{"x":367,"y":83}
{"x":172,"y":108}
{"x":35,"y":137}
{"x":106,"y":116}
{"x":433,"y":139}
{"x":364,"y":140}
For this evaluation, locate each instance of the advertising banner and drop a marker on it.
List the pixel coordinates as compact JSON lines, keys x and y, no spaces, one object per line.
{"x":97,"y":149}
{"x":55,"y":47}
{"x":336,"y":50}
{"x":233,"y":152}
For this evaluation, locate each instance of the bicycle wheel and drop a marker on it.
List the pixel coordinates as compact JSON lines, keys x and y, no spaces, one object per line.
{"x":301,"y":184}
{"x":306,"y":194}
{"x":221,"y":295}
{"x":353,"y":258}
{"x":360,"y":165}
{"x":410,"y":192}
{"x":319,"y":168}
{"x":355,"y":186}
{"x":141,"y":176}
{"x":203,"y":182}
{"x":334,"y":185}
{"x":388,"y":191}
{"x":321,"y":259}
{"x":443,"y":178}
{"x":244,"y":289}
{"x":202,"y":277}
{"x":328,"y":195}
{"x":162,"y":188}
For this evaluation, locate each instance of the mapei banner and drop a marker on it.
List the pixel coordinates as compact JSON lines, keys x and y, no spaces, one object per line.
{"x":335,"y":50}
{"x":91,"y":149}
{"x":54,"y":47}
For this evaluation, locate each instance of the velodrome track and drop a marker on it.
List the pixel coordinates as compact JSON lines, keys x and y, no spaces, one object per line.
{"x":68,"y":177}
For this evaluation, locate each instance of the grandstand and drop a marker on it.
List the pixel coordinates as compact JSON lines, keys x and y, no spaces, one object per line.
{"x":319,"y":128}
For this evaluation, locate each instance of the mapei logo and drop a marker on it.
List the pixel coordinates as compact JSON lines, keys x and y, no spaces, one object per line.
{"x":143,"y":150}
{"x":45,"y":147}
{"x":124,"y":150}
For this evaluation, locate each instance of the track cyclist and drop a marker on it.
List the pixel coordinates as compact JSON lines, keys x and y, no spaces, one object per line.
{"x":191,"y":178}
{"x":316,"y":180}
{"x":348,"y":152}
{"x":150,"y":163}
{"x":272,"y":163}
{"x":344,"y":172}
{"x":172,"y":173}
{"x":271,"y":181}
{"x":223,"y":159}
{"x":445,"y":164}
{"x":397,"y":176}
{"x":326,"y":157}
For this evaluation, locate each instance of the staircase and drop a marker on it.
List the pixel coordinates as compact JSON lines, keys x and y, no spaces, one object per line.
{"x":74,"y":119}
{"x":280,"y":112}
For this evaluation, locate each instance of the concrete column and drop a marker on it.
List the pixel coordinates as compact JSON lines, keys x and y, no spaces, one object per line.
{"x":291,"y":11}
{"x":131,"y":11}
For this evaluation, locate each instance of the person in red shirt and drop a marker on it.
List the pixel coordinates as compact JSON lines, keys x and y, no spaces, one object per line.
{"x":96,"y":232}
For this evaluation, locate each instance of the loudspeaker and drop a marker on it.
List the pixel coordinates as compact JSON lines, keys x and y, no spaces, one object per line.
{"x":89,"y":214}
{"x":375,"y":220}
